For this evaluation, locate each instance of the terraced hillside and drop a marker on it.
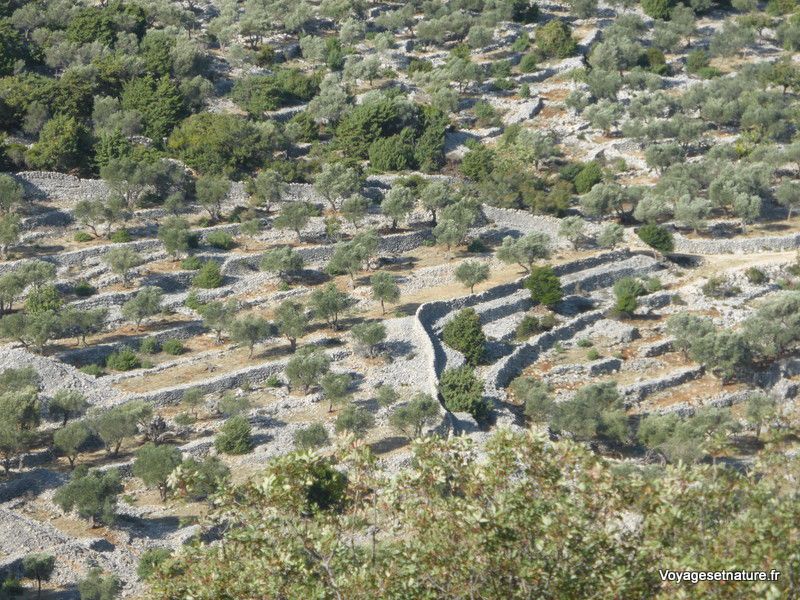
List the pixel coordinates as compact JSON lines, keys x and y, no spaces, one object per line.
{"x":230,"y":231}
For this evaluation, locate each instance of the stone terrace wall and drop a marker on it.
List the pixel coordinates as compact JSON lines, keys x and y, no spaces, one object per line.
{"x":737,"y":245}
{"x":256,"y":374}
{"x":41,"y":185}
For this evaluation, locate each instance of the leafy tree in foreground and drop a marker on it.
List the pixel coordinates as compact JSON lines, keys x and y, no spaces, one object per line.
{"x":692,"y":517}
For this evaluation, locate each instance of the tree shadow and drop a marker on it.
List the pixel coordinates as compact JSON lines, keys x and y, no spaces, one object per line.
{"x":389,"y":444}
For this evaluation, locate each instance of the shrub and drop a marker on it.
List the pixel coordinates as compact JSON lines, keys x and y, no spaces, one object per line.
{"x":311,"y":437}
{"x":220,"y":239}
{"x":149,"y":345}
{"x":477,"y":246}
{"x":193,"y":302}
{"x":465,"y":334}
{"x":545,"y":286}
{"x":462,"y":391}
{"x":411,"y":418}
{"x":584,"y":343}
{"x":528,"y":63}
{"x":656,"y":237}
{"x":209,"y":276}
{"x":536,"y":396}
{"x":755,"y":275}
{"x":697,"y":60}
{"x":191,"y":263}
{"x":273,"y":381}
{"x":93,"y":370}
{"x":150,"y":560}
{"x":230,"y":404}
{"x":369,"y":337}
{"x":590,"y":175}
{"x":82,"y":236}
{"x":386,"y":395}
{"x":657,"y":9}
{"x":120,"y":237}
{"x":123,"y":360}
{"x":653,"y":284}
{"x":527,"y":327}
{"x":234,"y":436}
{"x":173,"y":347}
{"x":555,"y":39}
{"x":83,"y":289}
{"x":593,"y":354}
{"x":99,"y":586}
{"x":719,"y":287}
{"x":656,"y":61}
{"x":355,"y":420}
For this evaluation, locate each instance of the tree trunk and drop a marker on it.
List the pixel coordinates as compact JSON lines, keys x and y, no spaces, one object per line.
{"x":292,"y":344}
{"x":383,"y":309}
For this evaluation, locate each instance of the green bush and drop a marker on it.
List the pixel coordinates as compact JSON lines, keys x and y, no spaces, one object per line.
{"x":150,"y":560}
{"x":584,"y":343}
{"x":545,"y":286}
{"x":273,"y":381}
{"x":120,"y":237}
{"x":312,"y":437}
{"x":354,"y":420}
{"x":697,"y":60}
{"x":149,"y":345}
{"x":82,"y":236}
{"x":593,"y":354}
{"x":94,"y":370}
{"x":193,"y":302}
{"x":477,"y":246}
{"x":173,"y":347}
{"x":536,"y":396}
{"x":555,"y":40}
{"x":590,"y":175}
{"x":464,"y":333}
{"x":656,"y":237}
{"x":123,"y":360}
{"x":527,"y":327}
{"x":83,"y":289}
{"x":656,"y":61}
{"x":709,"y":72}
{"x":191,"y":263}
{"x":209,"y":276}
{"x":220,"y":239}
{"x":657,"y":9}
{"x":528,"y":63}
{"x":234,"y":436}
{"x":719,"y":287}
{"x":462,"y":391}
{"x":755,"y":275}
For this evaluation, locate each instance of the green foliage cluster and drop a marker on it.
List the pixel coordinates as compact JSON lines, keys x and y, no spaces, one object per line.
{"x":692,"y":517}
{"x":462,"y":391}
{"x":465,"y":334}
